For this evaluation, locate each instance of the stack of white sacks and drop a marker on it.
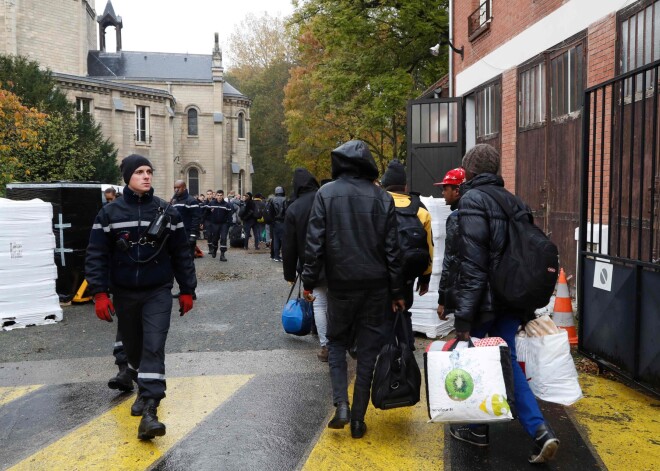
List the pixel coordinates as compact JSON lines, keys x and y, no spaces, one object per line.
{"x":424,"y":311}
{"x":27,"y":265}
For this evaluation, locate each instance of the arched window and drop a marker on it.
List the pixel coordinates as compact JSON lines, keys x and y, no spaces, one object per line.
{"x":241,"y":176}
{"x":241,"y":126}
{"x":192,"y":122}
{"x":193,"y":181}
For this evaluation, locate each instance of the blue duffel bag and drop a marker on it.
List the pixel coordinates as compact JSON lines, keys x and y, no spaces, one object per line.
{"x":298,"y":314}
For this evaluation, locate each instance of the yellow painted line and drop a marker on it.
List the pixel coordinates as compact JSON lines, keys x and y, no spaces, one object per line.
{"x":110,"y":440}
{"x":623,"y":425}
{"x":12,"y":393}
{"x":395,"y":439}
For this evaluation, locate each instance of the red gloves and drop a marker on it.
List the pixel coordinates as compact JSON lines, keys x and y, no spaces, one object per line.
{"x":185,"y":303}
{"x":103,"y":307}
{"x":308,"y":295}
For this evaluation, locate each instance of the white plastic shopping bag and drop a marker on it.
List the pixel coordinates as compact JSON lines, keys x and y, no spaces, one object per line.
{"x":549,"y":367}
{"x":469,"y":384}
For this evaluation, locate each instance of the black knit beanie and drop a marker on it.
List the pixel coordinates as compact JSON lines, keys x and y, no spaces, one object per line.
{"x":395,"y":175}
{"x":130,"y":164}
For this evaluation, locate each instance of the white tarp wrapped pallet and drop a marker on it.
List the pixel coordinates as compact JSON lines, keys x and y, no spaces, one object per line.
{"x":27,"y":265}
{"x":424,"y":311}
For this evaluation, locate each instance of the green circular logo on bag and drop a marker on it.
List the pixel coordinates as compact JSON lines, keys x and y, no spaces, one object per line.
{"x":459,"y":384}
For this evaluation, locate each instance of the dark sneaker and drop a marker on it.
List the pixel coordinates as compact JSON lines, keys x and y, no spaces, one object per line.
{"x":149,"y":425}
{"x":222,"y":257}
{"x":138,"y":406}
{"x":546,"y":445}
{"x":124,"y":379}
{"x":474,"y":435}
{"x":342,"y":416}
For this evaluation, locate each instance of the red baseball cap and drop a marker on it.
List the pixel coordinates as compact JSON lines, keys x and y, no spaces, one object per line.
{"x":454,"y":177}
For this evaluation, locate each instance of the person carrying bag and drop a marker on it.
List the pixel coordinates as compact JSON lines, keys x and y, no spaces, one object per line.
{"x":298,"y":314}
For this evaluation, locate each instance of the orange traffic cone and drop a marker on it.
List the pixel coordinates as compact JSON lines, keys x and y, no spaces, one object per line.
{"x":563,"y":311}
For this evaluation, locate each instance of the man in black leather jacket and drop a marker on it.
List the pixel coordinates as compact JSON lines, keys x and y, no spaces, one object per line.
{"x":352,"y":235}
{"x":482,"y":236}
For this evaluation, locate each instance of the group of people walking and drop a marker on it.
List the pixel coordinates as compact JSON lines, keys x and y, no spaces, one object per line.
{"x":342,"y":241}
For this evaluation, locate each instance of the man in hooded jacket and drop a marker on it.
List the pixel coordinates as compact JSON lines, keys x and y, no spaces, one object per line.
{"x":305,"y":187}
{"x":482,"y":238}
{"x":352,"y":236}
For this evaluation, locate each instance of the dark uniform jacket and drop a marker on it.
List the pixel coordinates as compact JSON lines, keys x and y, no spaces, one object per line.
{"x":190,"y":211}
{"x":128,"y":218}
{"x":219,"y":212}
{"x":305,"y":187}
{"x":352,"y":228}
{"x":482,"y":235}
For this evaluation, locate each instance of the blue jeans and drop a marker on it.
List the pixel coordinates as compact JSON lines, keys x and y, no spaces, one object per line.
{"x":529,"y":413}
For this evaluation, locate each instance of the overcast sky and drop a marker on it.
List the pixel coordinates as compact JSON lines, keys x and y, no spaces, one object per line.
{"x":183,"y":25}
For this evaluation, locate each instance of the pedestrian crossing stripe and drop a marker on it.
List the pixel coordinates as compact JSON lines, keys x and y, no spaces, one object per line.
{"x":399,"y":438}
{"x":110,"y":440}
{"x":11,"y":394}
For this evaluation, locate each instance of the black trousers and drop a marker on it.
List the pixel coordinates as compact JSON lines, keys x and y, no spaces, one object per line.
{"x":367,"y":310}
{"x":218,"y":232}
{"x":144,"y":321}
{"x":254,"y":227}
{"x":118,"y":350}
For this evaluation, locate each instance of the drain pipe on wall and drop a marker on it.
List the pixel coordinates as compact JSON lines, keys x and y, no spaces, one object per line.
{"x":451,"y":41}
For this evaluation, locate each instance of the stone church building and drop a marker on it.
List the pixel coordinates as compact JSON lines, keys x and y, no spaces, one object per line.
{"x":175,"y":109}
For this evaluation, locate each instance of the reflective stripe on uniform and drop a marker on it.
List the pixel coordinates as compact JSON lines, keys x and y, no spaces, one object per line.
{"x":118,"y":344}
{"x":151,"y":376}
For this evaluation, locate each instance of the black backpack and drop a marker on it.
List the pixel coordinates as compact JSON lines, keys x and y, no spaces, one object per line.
{"x":527,"y":274}
{"x":397,"y":380}
{"x":269,"y":212}
{"x":259,"y":210}
{"x":413,"y":244}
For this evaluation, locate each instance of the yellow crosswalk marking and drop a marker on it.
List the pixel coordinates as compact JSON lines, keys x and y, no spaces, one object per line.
{"x":397,"y":438}
{"x":110,"y":440}
{"x":623,"y":425}
{"x":11,"y":394}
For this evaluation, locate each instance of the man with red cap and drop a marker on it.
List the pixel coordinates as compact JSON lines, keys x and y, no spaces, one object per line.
{"x":137,"y":246}
{"x":451,"y":193}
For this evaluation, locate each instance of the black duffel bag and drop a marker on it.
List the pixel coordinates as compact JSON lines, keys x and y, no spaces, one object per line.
{"x":397,"y":379}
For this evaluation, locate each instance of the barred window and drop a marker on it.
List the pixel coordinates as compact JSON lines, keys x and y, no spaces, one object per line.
{"x":193,"y":181}
{"x":567,"y":84}
{"x":531,"y":96}
{"x":640,"y":44}
{"x":487,"y":110}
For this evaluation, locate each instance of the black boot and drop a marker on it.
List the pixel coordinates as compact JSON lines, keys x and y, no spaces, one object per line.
{"x":358,"y":428}
{"x":138,"y":406}
{"x":124,"y":379}
{"x":222,"y":257}
{"x":342,"y":416}
{"x":149,"y":425}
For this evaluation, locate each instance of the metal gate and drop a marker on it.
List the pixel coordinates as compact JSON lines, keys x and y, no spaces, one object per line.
{"x":435,"y":142}
{"x":619,"y":236}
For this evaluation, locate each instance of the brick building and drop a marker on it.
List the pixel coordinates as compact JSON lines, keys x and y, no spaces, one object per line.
{"x":175,"y":109}
{"x":522,"y":74}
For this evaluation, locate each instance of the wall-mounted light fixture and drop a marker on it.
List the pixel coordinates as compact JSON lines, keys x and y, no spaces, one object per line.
{"x":435,"y":50}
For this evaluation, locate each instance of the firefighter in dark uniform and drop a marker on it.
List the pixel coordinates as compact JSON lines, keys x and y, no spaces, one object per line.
{"x":190,"y":211}
{"x":137,"y":246}
{"x":191,"y":215}
{"x":219,"y":211}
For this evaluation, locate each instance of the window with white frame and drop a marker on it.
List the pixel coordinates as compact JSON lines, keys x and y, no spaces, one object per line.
{"x":142,"y":124}
{"x":241,"y":126}
{"x":487,"y":110}
{"x":531,"y":96}
{"x":83,"y":105}
{"x":567,"y":83}
{"x":192,"y":122}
